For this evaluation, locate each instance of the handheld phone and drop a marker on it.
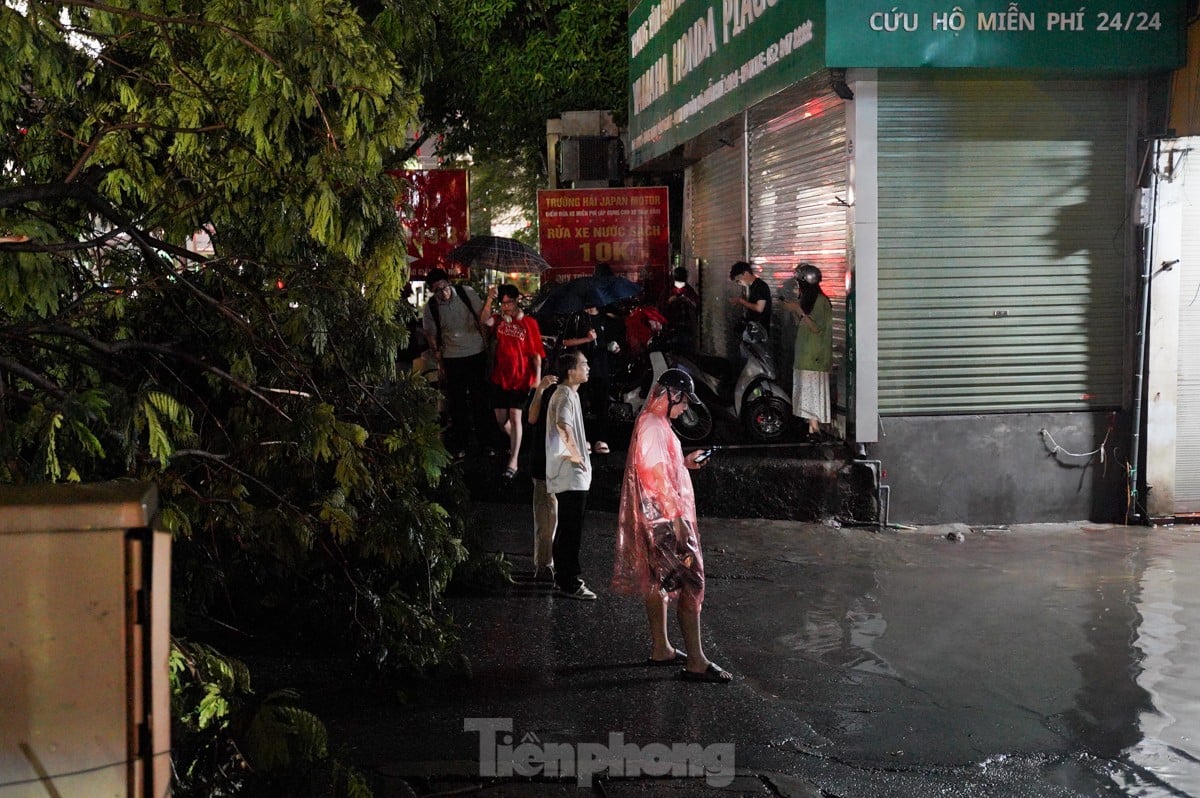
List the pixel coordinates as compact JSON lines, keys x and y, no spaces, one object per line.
{"x":704,"y":455}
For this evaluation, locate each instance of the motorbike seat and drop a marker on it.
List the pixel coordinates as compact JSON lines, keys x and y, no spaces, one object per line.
{"x":722,"y":371}
{"x":718,"y":367}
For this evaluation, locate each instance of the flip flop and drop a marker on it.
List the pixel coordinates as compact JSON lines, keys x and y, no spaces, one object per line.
{"x":713,"y":674}
{"x":679,"y":658}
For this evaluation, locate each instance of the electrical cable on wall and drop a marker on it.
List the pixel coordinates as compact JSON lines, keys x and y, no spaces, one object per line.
{"x":1056,"y":449}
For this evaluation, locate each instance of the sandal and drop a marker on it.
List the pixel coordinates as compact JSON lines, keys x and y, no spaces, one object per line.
{"x":600,"y":448}
{"x":509,"y":473}
{"x":713,"y":674}
{"x":678,"y":658}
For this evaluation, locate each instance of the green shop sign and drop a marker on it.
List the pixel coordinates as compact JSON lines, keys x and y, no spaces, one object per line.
{"x":1111,"y":36}
{"x":695,"y":63}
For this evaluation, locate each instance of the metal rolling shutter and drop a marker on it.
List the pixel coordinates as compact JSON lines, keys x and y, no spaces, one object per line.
{"x":798,"y":184}
{"x":1002,"y":245}
{"x":714,"y":195}
{"x":1187,"y":419}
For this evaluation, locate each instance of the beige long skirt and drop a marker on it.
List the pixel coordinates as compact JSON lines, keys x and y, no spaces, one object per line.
{"x":810,"y":395}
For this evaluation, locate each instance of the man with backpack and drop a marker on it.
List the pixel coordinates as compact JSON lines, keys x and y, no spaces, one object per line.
{"x":451,"y":322}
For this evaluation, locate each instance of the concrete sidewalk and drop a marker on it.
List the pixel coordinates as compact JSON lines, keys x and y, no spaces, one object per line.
{"x":1039,"y":660}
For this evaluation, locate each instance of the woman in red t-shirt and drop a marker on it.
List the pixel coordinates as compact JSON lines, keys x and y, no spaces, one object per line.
{"x":517,"y":366}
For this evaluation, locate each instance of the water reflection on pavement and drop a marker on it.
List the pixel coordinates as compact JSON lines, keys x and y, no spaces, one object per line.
{"x":1048,"y":659}
{"x":1038,"y":661}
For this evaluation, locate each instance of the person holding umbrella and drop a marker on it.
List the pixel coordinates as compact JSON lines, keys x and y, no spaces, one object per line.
{"x":517,"y":365}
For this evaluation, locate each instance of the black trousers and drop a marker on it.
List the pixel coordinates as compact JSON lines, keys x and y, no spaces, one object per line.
{"x":572,"y":509}
{"x":468,"y":401}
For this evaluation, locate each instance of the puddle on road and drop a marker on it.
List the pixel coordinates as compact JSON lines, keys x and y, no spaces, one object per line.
{"x":1087,"y":643}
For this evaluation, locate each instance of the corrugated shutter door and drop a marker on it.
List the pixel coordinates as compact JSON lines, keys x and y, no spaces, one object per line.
{"x":798,"y":183}
{"x":714,"y":189}
{"x":1001,"y":245}
{"x":1187,"y":419}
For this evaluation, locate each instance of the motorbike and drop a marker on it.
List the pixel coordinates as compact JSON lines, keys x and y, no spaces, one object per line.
{"x":632,"y":386}
{"x":755,"y":399}
{"x":752,"y":397}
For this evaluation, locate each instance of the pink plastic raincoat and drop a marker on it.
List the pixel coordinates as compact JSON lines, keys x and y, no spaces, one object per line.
{"x":658,"y":545}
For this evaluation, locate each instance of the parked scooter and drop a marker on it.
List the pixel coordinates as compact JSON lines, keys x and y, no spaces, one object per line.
{"x":631,"y":385}
{"x":752,"y":397}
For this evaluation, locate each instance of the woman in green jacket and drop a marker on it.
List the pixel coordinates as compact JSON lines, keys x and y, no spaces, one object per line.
{"x":813,"y":358}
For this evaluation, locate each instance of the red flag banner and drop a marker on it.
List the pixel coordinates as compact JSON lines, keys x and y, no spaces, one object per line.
{"x":432,"y":206}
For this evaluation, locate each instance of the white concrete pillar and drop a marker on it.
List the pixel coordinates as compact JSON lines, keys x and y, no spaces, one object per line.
{"x":862,"y":125}
{"x":1162,"y":363}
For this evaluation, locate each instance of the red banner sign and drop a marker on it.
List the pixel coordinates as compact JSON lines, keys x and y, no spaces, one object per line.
{"x":623,"y":227}
{"x":432,"y":206}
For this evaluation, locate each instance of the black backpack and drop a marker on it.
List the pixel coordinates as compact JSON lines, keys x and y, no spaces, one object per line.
{"x":437,"y":318}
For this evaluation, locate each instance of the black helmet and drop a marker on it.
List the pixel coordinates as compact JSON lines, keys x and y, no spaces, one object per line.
{"x":679,"y":380}
{"x":807,"y":273}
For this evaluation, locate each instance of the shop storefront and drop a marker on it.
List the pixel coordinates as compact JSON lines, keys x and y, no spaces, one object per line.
{"x":966,"y":179}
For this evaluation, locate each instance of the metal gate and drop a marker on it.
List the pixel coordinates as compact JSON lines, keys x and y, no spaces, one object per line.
{"x":1187,"y":420}
{"x":1002,"y":245}
{"x":713,"y":193}
{"x":798,"y":189}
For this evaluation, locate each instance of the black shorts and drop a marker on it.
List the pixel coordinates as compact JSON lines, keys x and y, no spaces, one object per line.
{"x":502,"y":399}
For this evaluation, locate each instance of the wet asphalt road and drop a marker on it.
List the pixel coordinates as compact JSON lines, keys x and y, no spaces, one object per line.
{"x":1037,"y":661}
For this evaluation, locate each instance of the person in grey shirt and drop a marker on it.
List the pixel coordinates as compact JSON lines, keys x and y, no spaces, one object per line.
{"x":452,"y":325}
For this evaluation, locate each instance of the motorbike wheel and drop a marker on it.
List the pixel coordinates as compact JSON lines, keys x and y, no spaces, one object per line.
{"x":766,"y":418}
{"x":694,"y":425}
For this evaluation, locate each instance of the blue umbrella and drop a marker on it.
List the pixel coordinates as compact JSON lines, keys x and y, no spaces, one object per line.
{"x":575,"y":295}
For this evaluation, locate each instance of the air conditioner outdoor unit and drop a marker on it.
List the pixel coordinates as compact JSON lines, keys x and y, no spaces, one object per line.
{"x":593,"y":160}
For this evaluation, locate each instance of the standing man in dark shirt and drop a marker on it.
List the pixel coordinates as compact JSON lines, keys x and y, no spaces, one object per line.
{"x":757,"y":301}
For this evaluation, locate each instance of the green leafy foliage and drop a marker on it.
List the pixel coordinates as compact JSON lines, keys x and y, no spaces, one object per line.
{"x":200,"y":285}
{"x":502,"y":192}
{"x":229,"y":741}
{"x":509,"y":66}
{"x":254,"y":381}
{"x":505,"y":68}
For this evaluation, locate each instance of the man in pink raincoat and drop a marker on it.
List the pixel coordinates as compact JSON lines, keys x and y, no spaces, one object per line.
{"x":658,"y":553}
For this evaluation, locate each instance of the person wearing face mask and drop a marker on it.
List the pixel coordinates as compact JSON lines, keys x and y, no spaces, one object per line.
{"x":754,"y":298}
{"x":594,"y":332}
{"x":756,"y":304}
{"x":680,"y":306}
{"x":451,"y":323}
{"x":517,"y":365}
